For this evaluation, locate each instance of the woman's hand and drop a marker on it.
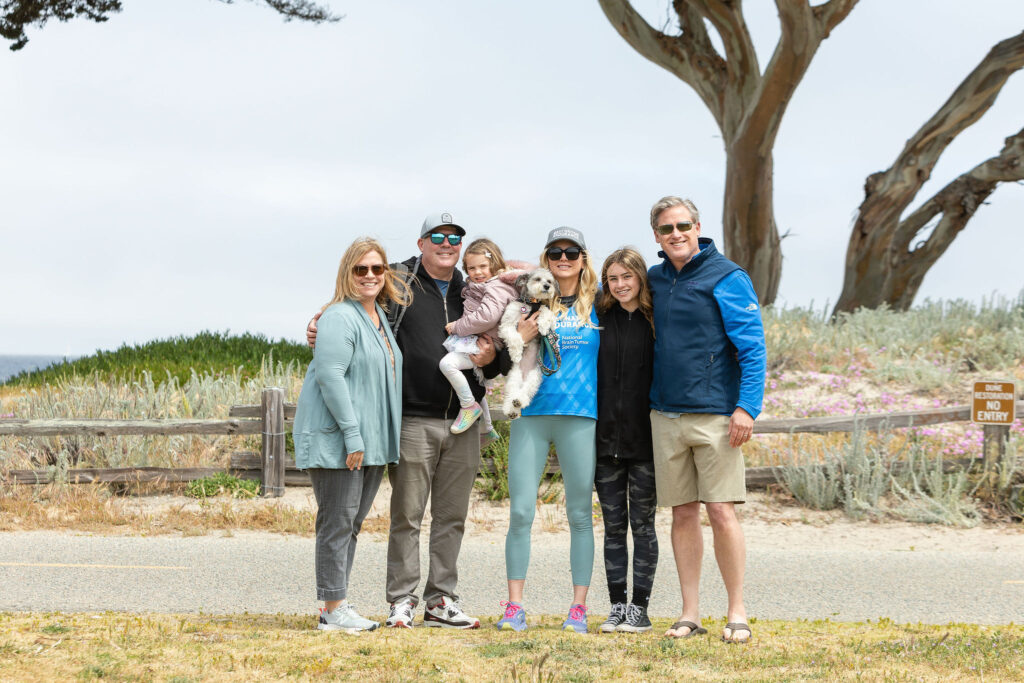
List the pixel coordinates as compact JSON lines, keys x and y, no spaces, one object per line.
{"x":527,"y":327}
{"x":449,"y":327}
{"x":311,"y":330}
{"x":354,"y":460}
{"x":487,"y":353}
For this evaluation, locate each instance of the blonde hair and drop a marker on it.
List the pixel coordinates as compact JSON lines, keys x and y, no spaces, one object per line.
{"x":490,"y":251}
{"x":630,"y":259}
{"x":586,"y":291}
{"x":394,"y":289}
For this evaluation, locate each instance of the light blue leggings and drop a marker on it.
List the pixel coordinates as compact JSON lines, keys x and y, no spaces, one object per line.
{"x":573,"y":438}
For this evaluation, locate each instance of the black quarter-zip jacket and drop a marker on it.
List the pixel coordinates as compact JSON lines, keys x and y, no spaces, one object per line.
{"x":625,"y":368}
{"x":421,"y":335}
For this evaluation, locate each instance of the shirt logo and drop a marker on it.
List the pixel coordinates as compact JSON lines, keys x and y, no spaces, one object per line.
{"x":751,"y":307}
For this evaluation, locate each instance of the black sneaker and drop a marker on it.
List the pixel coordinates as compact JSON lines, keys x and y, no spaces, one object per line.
{"x":616,"y":617}
{"x":636,"y":620}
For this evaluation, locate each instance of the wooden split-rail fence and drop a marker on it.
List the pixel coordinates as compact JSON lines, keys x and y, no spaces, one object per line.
{"x":275,"y":469}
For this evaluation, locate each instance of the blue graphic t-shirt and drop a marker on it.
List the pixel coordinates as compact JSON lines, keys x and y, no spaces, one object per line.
{"x":573,"y":389}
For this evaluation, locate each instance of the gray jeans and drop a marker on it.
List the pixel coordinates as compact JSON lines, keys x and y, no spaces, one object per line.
{"x":343,"y":499}
{"x":441,"y":466}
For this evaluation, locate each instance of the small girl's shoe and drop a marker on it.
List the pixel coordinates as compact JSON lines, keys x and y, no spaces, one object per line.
{"x":467,"y":416}
{"x":489,"y":438}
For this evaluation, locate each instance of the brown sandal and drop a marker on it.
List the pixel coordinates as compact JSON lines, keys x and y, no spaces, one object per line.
{"x":695,"y":629}
{"x":737,"y":626}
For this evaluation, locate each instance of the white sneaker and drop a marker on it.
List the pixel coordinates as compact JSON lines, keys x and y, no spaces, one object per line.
{"x":344,"y":618}
{"x":401,"y":614}
{"x":448,"y":614}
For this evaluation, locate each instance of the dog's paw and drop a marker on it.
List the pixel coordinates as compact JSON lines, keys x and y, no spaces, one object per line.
{"x":516,"y":403}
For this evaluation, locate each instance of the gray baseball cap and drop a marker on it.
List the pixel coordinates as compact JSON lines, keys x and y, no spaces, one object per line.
{"x":566,"y":233}
{"x":442,"y":219}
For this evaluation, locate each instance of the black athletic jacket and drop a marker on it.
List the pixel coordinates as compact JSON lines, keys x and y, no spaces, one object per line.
{"x":420,"y":335}
{"x":625,"y":366}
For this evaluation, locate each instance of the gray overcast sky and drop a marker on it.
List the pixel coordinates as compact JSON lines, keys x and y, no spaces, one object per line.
{"x":192,"y":165}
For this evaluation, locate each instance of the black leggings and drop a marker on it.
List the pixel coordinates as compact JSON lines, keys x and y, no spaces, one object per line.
{"x":628,"y":499}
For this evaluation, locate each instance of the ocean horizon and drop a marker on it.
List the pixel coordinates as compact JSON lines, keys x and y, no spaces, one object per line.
{"x":11,"y":365}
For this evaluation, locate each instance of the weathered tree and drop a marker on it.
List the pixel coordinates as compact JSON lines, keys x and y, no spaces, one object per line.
{"x":888,"y":255}
{"x":747,"y":104}
{"x":15,"y":15}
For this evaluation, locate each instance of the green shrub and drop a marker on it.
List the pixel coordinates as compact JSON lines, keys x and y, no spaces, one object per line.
{"x":177,"y":357}
{"x":223,"y":483}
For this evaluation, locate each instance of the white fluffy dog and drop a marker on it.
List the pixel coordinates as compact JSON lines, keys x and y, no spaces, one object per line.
{"x":538,"y":290}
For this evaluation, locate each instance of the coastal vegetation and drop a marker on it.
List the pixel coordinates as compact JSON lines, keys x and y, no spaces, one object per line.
{"x":871,"y":361}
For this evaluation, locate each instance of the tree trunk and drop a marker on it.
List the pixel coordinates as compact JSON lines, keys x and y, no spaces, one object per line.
{"x":888,"y":256}
{"x":751,"y":238}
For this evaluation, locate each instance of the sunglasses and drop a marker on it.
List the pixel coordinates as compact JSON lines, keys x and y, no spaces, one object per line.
{"x":667,"y":229}
{"x":377,"y":268}
{"x":571,"y":253}
{"x":438,"y":238}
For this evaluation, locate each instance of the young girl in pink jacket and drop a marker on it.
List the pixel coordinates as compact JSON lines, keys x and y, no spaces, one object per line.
{"x":486,"y":296}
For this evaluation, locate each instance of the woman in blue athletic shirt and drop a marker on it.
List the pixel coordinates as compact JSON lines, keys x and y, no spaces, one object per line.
{"x":563,"y":413}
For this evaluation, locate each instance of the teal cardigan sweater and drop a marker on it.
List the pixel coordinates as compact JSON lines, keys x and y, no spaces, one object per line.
{"x":351,"y":400}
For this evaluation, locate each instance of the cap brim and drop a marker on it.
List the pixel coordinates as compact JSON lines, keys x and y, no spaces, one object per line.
{"x":458,"y":228}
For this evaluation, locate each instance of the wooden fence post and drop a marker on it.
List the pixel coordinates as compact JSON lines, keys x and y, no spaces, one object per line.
{"x":994,"y":445}
{"x":272,"y":457}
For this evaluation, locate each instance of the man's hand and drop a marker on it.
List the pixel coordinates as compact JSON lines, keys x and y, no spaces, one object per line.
{"x":487,"y":352}
{"x":741,"y":428}
{"x":354,"y":461}
{"x":311,"y":330}
{"x":527,"y":327}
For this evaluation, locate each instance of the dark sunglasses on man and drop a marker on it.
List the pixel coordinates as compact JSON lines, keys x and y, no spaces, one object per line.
{"x":377,"y":268}
{"x":438,"y":238}
{"x":571,"y":253}
{"x":681,"y":227}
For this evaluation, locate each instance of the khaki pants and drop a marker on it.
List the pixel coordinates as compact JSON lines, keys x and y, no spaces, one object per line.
{"x":441,"y":466}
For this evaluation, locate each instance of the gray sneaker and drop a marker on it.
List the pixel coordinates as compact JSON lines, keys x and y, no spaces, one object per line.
{"x":344,"y":618}
{"x":617,"y":616}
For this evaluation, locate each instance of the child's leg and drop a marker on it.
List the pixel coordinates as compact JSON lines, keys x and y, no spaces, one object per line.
{"x":452,"y":366}
{"x":485,"y":418}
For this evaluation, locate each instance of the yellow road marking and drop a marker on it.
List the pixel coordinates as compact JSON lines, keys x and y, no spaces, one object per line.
{"x":86,"y":566}
{"x":1013,"y":581}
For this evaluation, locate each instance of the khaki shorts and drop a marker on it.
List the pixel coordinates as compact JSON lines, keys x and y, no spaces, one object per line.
{"x":693,"y":460}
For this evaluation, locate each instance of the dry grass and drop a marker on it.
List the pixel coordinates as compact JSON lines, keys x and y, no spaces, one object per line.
{"x":95,"y":509}
{"x":38,"y":646}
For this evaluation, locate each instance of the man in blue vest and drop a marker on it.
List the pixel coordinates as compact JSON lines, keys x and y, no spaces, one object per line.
{"x":709,"y":369}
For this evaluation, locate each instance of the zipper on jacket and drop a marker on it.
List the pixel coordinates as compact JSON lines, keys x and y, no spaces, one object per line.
{"x":444,"y":304}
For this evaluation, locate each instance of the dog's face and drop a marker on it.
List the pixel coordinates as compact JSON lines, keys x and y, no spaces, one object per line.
{"x":538,"y":284}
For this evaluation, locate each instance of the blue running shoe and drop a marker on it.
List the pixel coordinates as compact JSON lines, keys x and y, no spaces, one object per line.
{"x":577,"y":619}
{"x":515,"y":617}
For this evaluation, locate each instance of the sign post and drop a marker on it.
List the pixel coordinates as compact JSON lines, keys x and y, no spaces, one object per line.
{"x":993,"y":407}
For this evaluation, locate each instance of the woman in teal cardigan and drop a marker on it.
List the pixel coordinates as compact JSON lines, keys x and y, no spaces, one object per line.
{"x":348,"y":419}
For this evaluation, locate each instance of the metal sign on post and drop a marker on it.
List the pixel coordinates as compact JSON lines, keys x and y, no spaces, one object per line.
{"x":993,"y":403}
{"x":993,"y":406}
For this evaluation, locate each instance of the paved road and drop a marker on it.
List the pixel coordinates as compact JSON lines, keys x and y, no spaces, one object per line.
{"x":259,"y":572}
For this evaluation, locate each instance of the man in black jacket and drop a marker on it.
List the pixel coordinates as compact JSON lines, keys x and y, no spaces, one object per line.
{"x":434,"y":463}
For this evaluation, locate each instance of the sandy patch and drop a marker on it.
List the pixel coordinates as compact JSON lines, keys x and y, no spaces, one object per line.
{"x":767,"y":523}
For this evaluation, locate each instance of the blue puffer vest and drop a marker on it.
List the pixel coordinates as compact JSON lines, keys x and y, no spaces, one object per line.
{"x":696,"y":368}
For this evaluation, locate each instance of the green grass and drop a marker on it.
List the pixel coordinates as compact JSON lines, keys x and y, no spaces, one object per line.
{"x":204,"y":353}
{"x":223,"y":483}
